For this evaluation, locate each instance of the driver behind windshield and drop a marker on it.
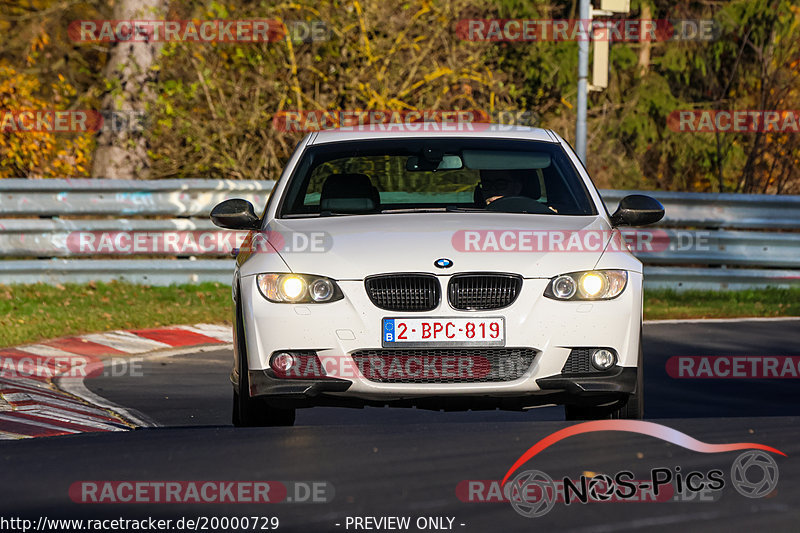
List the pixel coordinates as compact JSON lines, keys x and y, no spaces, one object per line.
{"x":496,"y":184}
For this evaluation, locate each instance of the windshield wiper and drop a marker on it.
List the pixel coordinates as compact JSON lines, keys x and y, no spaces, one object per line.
{"x":415,"y":210}
{"x":459,"y":209}
{"x":340,"y":213}
{"x":315,"y":215}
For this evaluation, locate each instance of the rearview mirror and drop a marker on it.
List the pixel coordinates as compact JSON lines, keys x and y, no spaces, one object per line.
{"x":447,"y":162}
{"x":637,"y":210}
{"x":235,"y":214}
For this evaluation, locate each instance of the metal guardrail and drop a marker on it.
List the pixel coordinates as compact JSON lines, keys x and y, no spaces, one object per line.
{"x":732,"y":248}
{"x":698,"y":240}
{"x":149,"y":272}
{"x":718,"y":279}
{"x":709,"y":210}
{"x":59,"y":237}
{"x":196,"y":197}
{"x":178,"y":198}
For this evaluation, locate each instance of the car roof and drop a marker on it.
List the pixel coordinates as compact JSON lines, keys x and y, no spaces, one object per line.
{"x":432,"y":130}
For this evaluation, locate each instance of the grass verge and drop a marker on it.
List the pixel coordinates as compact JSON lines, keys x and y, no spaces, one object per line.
{"x":30,"y":313}
{"x":663,"y":304}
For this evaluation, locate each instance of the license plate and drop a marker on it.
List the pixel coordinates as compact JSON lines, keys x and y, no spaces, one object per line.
{"x":444,"y":331}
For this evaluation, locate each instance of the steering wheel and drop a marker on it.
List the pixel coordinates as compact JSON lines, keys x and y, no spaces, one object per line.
{"x":518,"y":204}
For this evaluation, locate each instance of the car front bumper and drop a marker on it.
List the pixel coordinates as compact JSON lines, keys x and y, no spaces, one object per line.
{"x":334,"y":331}
{"x":558,"y":389}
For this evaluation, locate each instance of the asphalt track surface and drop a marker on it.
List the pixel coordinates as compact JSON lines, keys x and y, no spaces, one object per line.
{"x":394,"y":462}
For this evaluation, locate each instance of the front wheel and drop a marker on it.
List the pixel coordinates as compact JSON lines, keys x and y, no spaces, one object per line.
{"x":249,"y":411}
{"x":254,"y":412}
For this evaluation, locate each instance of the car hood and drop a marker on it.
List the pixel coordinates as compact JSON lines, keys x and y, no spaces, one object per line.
{"x":354,"y":247}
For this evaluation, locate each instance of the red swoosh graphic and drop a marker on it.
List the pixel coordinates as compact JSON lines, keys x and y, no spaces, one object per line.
{"x":635,"y":426}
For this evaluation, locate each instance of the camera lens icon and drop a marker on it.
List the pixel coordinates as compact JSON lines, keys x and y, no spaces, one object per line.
{"x":532,"y":493}
{"x":754,"y":474}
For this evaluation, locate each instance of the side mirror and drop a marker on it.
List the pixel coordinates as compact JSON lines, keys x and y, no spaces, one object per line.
{"x":235,"y":214}
{"x":637,"y":210}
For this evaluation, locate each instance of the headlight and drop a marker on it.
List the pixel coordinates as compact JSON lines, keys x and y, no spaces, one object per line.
{"x":298,"y":288}
{"x":564,"y":287}
{"x":589,"y":285}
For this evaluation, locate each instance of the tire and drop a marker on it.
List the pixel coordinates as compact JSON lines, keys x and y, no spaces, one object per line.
{"x":248,"y":411}
{"x":632,"y":407}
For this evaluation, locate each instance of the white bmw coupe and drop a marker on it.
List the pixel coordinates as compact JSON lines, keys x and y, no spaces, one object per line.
{"x":469,"y":269}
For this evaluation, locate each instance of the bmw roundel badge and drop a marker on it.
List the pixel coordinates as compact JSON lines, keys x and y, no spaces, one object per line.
{"x":443,"y":263}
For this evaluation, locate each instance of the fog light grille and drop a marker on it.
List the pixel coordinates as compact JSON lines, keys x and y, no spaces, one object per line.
{"x":444,"y":365}
{"x":580,"y":361}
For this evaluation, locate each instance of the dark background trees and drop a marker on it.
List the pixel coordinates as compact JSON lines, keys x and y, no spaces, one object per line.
{"x":210,"y":107}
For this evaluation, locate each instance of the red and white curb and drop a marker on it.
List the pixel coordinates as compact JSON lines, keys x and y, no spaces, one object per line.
{"x":42,"y":390}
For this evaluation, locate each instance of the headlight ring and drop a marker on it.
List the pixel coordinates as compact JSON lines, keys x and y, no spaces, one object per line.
{"x":298,"y":288}
{"x":587,"y":285}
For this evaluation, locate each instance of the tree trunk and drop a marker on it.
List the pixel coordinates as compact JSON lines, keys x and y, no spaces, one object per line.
{"x":121,"y":151}
{"x":644,"y":50}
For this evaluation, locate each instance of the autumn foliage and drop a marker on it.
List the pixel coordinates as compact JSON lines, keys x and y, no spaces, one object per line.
{"x":39,"y":154}
{"x":211,"y":106}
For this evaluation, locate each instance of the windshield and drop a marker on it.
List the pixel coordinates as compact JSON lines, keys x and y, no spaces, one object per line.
{"x":435,"y":175}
